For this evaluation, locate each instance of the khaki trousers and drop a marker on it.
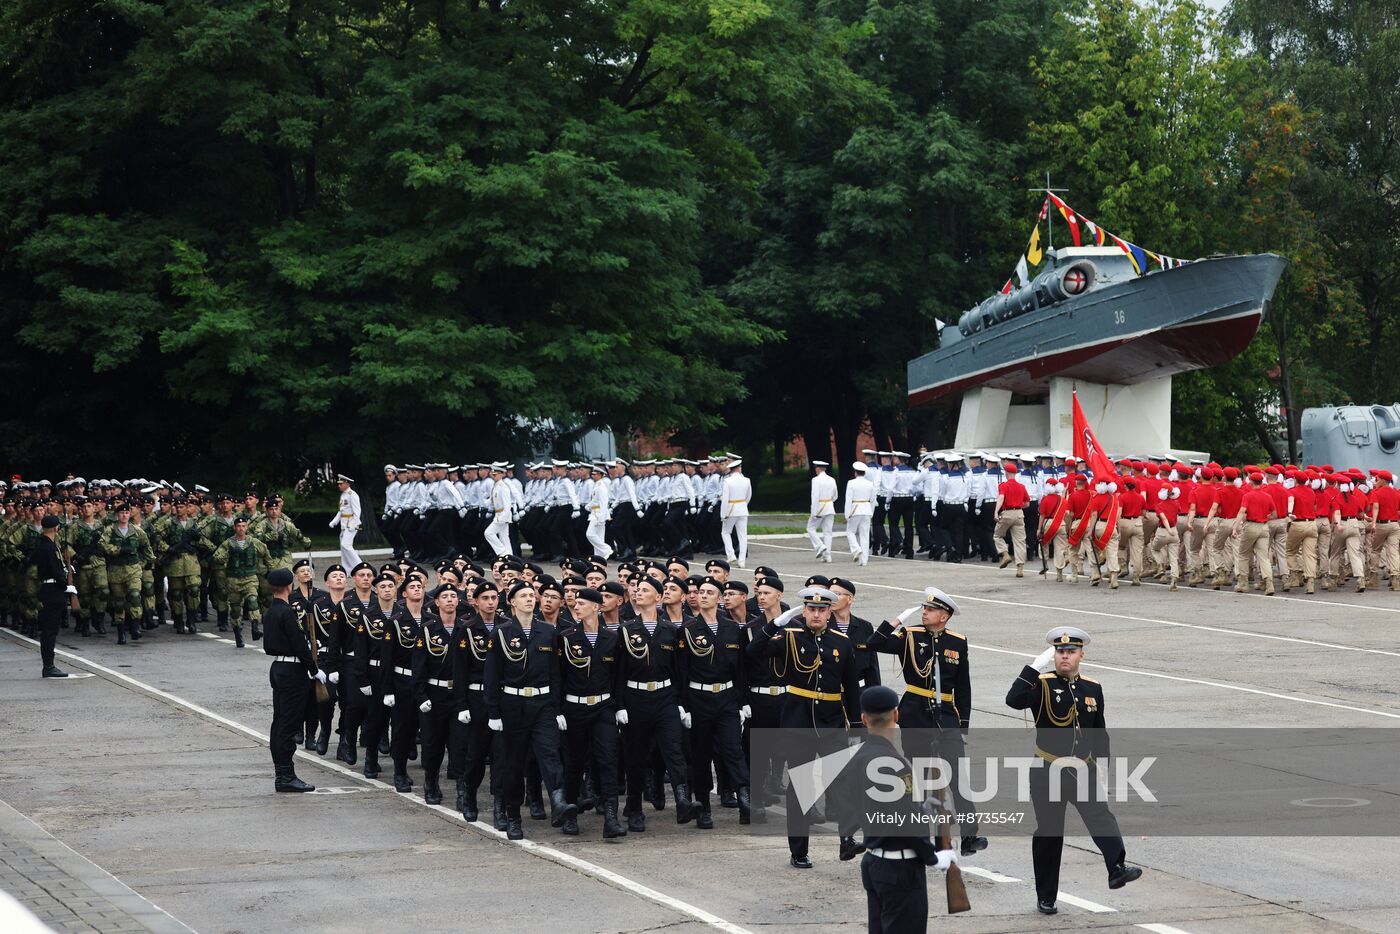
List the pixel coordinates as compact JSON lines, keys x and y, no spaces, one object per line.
{"x":1165,"y":548}
{"x":1012,"y":521}
{"x":1302,"y":547}
{"x":1254,"y":543}
{"x":1130,"y":543}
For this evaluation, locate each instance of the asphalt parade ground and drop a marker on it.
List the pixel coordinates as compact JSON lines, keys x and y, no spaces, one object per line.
{"x":140,"y":797}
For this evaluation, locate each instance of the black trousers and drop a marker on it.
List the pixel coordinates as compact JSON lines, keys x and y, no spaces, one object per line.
{"x":766,"y":709}
{"x":318,"y":713}
{"x":289,"y":689}
{"x":803,"y":748}
{"x":983,"y":525}
{"x":954,"y":516}
{"x":1049,"y":838}
{"x":878,"y":538}
{"x":944,"y":741}
{"x":403,"y":719}
{"x":673,"y":527}
{"x":902,"y":525}
{"x":50,"y":620}
{"x":590,"y":743}
{"x":896,"y":895}
{"x":715,"y":736}
{"x":527,"y":725}
{"x":1032,"y":513}
{"x":652,"y":721}
{"x":474,"y":739}
{"x":436,"y":727}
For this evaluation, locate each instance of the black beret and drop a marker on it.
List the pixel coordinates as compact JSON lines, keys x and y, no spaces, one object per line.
{"x":362,"y":566}
{"x":517,"y":587}
{"x":50,"y":522}
{"x":678,"y":581}
{"x":573,"y":580}
{"x":279,"y":577}
{"x":717,"y":563}
{"x":551,"y":585}
{"x":513,"y":564}
{"x":844,"y":584}
{"x":301,"y":563}
{"x":764,"y":570}
{"x":591,"y":595}
{"x":614,"y":588}
{"x":818,"y":580}
{"x":331,"y":570}
{"x":736,"y":585}
{"x":770,"y":581}
{"x":713,"y":583}
{"x":381,"y":577}
{"x":486,"y":587}
{"x":646,"y":580}
{"x":878,"y":699}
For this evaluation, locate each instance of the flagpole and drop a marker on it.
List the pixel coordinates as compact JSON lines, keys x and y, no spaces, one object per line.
{"x":1049,"y":214}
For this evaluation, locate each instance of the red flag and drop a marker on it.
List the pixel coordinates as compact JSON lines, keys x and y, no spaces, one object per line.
{"x":1069,"y":219}
{"x":1006,"y":289}
{"x":1088,"y":450}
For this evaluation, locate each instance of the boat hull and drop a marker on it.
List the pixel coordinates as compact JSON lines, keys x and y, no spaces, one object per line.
{"x":1188,"y":318}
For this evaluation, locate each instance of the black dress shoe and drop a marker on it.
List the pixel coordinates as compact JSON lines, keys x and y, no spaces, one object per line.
{"x":850,"y":848}
{"x":972,"y":845}
{"x":800,"y":862}
{"x":53,"y":671}
{"x":1122,"y":875}
{"x":294,"y":784}
{"x":1046,"y":908}
{"x":402,"y":782}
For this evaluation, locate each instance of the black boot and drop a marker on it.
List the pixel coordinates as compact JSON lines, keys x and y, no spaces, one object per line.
{"x":371,"y":763}
{"x":83,"y":626}
{"x":300,"y":738}
{"x":612,"y":827}
{"x":535,"y":802}
{"x":656,"y":792}
{"x":238,"y":637}
{"x":513,"y":829}
{"x":498,"y":813}
{"x":1122,"y":875}
{"x":323,"y":741}
{"x":686,"y":808}
{"x":97,"y":625}
{"x":223,"y":620}
{"x":560,"y":810}
{"x":402,"y":783}
{"x":728,"y":799}
{"x":190,"y":627}
{"x":345,"y":752}
{"x":432,"y":794}
{"x":135,"y":628}
{"x":257,"y":628}
{"x":570,"y":827}
{"x":745,"y":806}
{"x":287,"y":781}
{"x":587,"y":801}
{"x":466,"y":801}
{"x":704,"y":820}
{"x":179,"y":624}
{"x":384,"y":745}
{"x":121,"y":634}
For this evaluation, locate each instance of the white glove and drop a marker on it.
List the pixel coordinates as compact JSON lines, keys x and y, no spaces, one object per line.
{"x":563,"y":724}
{"x":334,"y":677}
{"x":745,"y":712}
{"x":366,"y":690}
{"x":70,"y":589}
{"x":904,"y":617}
{"x":685,"y":717}
{"x":496,"y":725}
{"x":621,"y":718}
{"x":320,"y":676}
{"x":334,"y":522}
{"x":1045,"y":660}
{"x":946,"y":858}
{"x":574,"y":514}
{"x":426,"y":706}
{"x":388,"y":700}
{"x":787,"y":617}
{"x":464,"y":716}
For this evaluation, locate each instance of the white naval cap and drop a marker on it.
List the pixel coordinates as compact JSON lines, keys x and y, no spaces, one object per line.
{"x":341,"y":478}
{"x":390,"y":468}
{"x":936,"y":599}
{"x":820,"y":464}
{"x":816,"y":596}
{"x":1067,"y":637}
{"x":859,"y":467}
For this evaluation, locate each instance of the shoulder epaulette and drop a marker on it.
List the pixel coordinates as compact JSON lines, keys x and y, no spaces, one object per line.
{"x":1090,"y":680}
{"x":949,"y":632}
{"x":835,"y":631}
{"x":1047,"y":674}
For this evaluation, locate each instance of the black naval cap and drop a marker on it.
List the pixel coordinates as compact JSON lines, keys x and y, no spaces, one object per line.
{"x":279,"y":577}
{"x":878,"y":699}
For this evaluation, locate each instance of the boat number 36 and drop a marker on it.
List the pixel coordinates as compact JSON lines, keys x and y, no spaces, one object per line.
{"x":1119,"y":317}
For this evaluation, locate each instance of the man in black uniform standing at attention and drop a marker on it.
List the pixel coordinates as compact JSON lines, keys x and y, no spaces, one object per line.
{"x":1069,"y":723}
{"x":892,"y":871}
{"x":293,"y":667}
{"x":55,"y":579}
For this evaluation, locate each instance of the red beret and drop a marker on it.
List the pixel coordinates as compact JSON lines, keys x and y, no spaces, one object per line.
{"x":1009,"y":468}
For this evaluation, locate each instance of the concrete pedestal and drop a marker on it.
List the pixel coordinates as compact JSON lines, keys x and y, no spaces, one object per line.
{"x":1134,"y":419}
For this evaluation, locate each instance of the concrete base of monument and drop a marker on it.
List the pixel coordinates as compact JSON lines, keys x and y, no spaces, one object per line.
{"x":1127,"y":419}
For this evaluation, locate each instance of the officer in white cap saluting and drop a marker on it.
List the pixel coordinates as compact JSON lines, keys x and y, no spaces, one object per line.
{"x":822,"y":699}
{"x":1069,"y":720}
{"x":937,"y":689}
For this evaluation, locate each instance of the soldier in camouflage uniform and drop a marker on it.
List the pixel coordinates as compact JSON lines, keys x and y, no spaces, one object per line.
{"x":128,"y":552}
{"x":250,"y":507}
{"x":10,"y":524}
{"x":26,"y":539}
{"x":160,"y":515}
{"x":218,"y":528}
{"x":89,"y":569}
{"x":145,"y":516}
{"x":183,"y":544}
{"x":281,"y":537}
{"x":244,"y":561}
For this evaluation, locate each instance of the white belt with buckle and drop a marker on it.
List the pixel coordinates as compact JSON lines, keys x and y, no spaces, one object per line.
{"x":51,"y":580}
{"x":287,"y":658}
{"x":712,"y":688}
{"x":649,"y":685}
{"x":893,"y":854}
{"x":403,"y":671}
{"x":526,"y":692}
{"x":375,"y":662}
{"x":348,"y":654}
{"x":770,"y":691}
{"x":476,"y":687}
{"x":588,"y":700}
{"x":440,"y":684}
{"x":860,"y":683}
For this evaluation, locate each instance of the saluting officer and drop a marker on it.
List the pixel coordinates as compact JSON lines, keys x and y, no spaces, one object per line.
{"x":821,"y":698}
{"x":1069,"y":721}
{"x":937,"y":689}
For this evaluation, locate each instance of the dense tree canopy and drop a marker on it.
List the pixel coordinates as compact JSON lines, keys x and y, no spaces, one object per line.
{"x":238,"y":235}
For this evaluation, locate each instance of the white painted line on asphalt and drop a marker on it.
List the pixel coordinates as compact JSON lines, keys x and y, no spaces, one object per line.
{"x":1311,"y":643}
{"x":987,"y":873}
{"x":545,"y":852}
{"x":1084,"y":903}
{"x":1161,"y":929}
